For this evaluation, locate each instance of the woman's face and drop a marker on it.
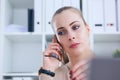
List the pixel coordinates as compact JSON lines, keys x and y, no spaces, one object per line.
{"x":72,"y":32}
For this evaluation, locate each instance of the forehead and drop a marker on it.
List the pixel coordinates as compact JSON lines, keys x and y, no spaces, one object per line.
{"x":66,"y":17}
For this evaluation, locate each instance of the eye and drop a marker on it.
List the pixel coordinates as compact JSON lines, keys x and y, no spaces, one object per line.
{"x":75,"y":27}
{"x":61,"y":32}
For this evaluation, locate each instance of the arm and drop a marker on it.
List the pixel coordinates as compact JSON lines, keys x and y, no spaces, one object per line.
{"x":50,"y":62}
{"x":61,"y":73}
{"x":45,"y":77}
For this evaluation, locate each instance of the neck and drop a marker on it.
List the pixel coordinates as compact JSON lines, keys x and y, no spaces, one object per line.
{"x":86,"y":55}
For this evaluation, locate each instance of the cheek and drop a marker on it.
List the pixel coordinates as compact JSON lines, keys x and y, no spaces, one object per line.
{"x":83,"y":36}
{"x":64,"y":43}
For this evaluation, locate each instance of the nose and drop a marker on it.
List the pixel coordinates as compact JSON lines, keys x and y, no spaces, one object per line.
{"x":71,"y":36}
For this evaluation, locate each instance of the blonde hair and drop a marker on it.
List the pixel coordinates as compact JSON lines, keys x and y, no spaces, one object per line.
{"x":60,"y":10}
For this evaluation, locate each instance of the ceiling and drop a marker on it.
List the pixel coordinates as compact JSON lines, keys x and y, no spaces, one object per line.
{"x":22,"y":3}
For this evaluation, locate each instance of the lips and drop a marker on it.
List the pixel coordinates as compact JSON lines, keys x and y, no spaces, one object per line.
{"x":74,"y":45}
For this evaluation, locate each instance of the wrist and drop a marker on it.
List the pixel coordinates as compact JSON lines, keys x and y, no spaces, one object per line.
{"x":49,"y":68}
{"x":46,"y":71}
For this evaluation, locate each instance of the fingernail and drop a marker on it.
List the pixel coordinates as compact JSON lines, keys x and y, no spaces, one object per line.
{"x":70,"y":76}
{"x":70,"y":72}
{"x":61,"y":48}
{"x":74,"y":79}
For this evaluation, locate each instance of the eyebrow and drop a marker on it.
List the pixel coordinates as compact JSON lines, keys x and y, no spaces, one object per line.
{"x":69,"y":24}
{"x":72,"y":22}
{"x":60,"y":28}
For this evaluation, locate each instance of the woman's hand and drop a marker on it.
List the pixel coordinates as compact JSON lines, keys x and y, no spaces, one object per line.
{"x":79,"y":71}
{"x":49,"y":62}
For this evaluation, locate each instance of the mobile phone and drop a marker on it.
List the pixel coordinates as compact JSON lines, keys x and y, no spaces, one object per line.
{"x":54,"y":55}
{"x":60,"y":52}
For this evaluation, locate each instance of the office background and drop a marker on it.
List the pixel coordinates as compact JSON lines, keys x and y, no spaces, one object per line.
{"x":25,"y":32}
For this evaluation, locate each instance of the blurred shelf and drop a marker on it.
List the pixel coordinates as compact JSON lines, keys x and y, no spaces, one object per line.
{"x":47,"y":33}
{"x":109,"y":33}
{"x":24,"y":37}
{"x":107,"y":37}
{"x":24,"y":3}
{"x":20,"y":74}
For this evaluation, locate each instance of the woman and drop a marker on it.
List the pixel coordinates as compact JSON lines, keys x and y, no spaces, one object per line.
{"x":72,"y":34}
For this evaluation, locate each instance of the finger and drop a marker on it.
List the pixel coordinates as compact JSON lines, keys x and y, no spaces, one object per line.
{"x":48,"y":52}
{"x":57,"y":48}
{"x":81,"y":77}
{"x":52,"y":54}
{"x":80,"y":71}
{"x":85,"y":78}
{"x":54,"y":39}
{"x":79,"y":65}
{"x":53,"y":44}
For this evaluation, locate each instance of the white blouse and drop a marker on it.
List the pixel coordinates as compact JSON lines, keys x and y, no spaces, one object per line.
{"x":62,"y":73}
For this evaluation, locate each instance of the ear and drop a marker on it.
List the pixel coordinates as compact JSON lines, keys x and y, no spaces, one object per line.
{"x":88,"y":29}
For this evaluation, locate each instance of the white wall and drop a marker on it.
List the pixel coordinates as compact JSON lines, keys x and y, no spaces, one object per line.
{"x":27,"y":57}
{"x":8,"y":13}
{"x":7,"y":48}
{"x":20,"y":17}
{"x":106,"y":48}
{"x":5,"y":19}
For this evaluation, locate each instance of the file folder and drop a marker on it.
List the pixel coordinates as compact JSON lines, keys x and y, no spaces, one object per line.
{"x":58,"y":4}
{"x":76,"y":3}
{"x":96,"y":15}
{"x":49,"y":11}
{"x":110,"y":15}
{"x":85,"y":10}
{"x":118,"y":14}
{"x":66,"y":2}
{"x":30,"y":20}
{"x":38,"y":17}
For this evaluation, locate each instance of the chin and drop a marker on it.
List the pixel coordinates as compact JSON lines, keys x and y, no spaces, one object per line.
{"x":80,"y":50}
{"x":77,"y":51}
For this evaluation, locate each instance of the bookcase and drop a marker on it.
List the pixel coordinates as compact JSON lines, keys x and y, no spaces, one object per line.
{"x":103,"y":19}
{"x":21,"y":52}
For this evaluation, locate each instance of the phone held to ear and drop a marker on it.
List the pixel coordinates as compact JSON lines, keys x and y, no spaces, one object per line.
{"x":54,"y":55}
